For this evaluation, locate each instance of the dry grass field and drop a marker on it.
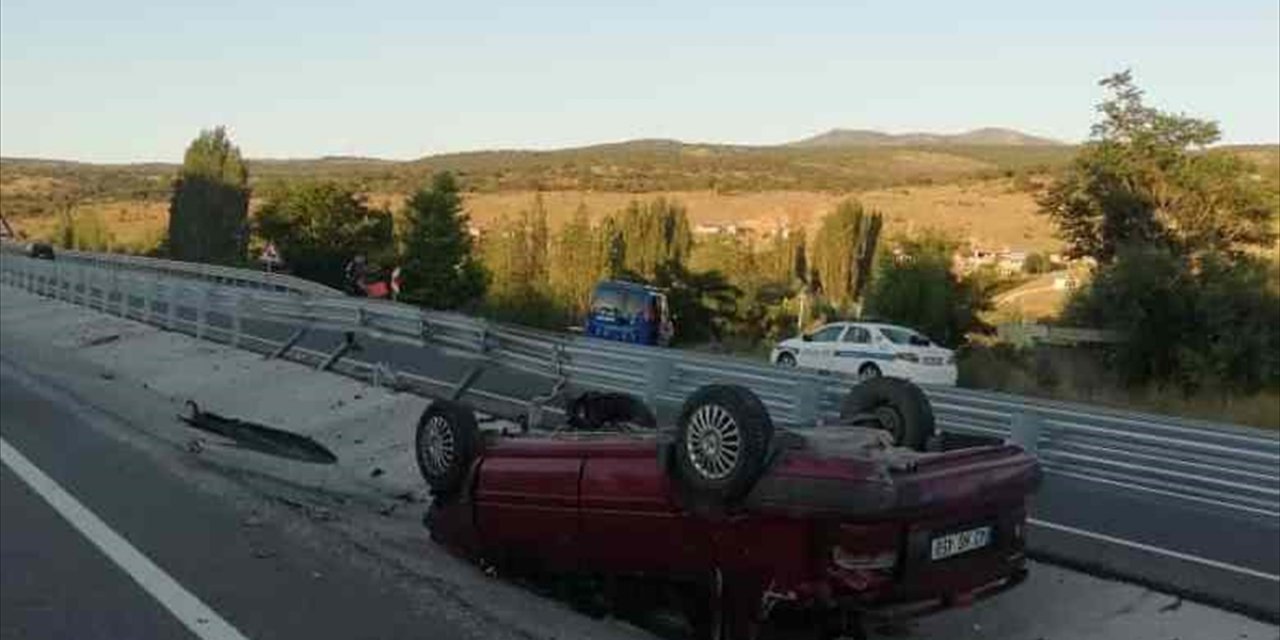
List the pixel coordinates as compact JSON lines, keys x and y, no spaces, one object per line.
{"x":988,"y":213}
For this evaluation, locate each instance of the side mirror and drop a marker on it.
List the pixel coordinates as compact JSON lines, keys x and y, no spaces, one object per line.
{"x":804,"y":337}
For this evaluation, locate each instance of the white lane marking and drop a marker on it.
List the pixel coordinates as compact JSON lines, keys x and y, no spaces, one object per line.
{"x":186,"y":607}
{"x":1156,"y":550}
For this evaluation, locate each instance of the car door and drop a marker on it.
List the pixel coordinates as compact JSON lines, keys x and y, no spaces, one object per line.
{"x":818,"y":352}
{"x":854,"y":350}
{"x":631,"y":521}
{"x":526,"y":501}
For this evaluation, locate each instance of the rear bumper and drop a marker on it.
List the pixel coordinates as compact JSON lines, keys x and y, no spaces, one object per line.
{"x":822,"y":601}
{"x":917,"y":608}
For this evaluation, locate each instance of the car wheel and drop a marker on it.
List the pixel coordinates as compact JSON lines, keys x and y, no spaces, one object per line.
{"x":786,"y":359}
{"x":896,"y":405}
{"x":721,"y":441}
{"x":446,"y":444}
{"x":869,"y":371}
{"x":595,"y":411}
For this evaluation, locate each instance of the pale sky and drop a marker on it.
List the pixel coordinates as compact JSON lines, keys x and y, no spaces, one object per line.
{"x":135,"y":80}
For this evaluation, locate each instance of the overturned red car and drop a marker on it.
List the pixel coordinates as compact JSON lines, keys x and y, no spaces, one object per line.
{"x":835,"y":524}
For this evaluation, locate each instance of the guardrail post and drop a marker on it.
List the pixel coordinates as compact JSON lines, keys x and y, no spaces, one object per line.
{"x":150,"y":300}
{"x":235,"y":320}
{"x":424,"y":328}
{"x":84,"y":286}
{"x":123,"y":290}
{"x":288,"y":344}
{"x":1024,"y":431}
{"x":108,"y":290}
{"x":348,"y":343}
{"x":171,"y":313}
{"x":808,"y":395}
{"x":657,"y":377}
{"x":202,"y":312}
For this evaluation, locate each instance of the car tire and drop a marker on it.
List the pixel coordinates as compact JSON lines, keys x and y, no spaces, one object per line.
{"x":899,"y":407}
{"x":445,"y":445}
{"x":869,"y":371}
{"x":786,"y":359}
{"x":722,"y":440}
{"x":595,"y":411}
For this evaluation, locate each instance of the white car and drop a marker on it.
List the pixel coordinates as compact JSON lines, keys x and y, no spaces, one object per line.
{"x":867,"y":350}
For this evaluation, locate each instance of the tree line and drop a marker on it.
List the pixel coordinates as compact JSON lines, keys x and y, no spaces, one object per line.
{"x":722,"y":288}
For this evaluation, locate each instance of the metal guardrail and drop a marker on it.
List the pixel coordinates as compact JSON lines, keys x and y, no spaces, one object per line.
{"x":214,"y":274}
{"x":1028,"y":334}
{"x":1198,"y":463}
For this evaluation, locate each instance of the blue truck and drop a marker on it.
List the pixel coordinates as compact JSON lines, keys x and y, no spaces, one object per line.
{"x":629,"y":312}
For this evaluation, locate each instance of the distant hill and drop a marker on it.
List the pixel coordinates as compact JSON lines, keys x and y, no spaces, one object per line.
{"x":841,"y":161}
{"x":990,"y":136}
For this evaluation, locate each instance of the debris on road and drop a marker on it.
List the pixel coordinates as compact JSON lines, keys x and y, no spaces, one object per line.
{"x":100,"y":340}
{"x":259,"y":437}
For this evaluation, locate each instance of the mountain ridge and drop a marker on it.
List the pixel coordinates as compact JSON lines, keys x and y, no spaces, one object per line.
{"x":985,"y":136}
{"x":833,"y":138}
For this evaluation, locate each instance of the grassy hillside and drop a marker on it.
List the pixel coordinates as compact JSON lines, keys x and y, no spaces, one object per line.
{"x":35,"y":187}
{"x":978,"y":192}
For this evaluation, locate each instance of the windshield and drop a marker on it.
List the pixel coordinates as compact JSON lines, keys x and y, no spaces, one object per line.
{"x":618,"y":305}
{"x":827,"y":334}
{"x":907,"y":337}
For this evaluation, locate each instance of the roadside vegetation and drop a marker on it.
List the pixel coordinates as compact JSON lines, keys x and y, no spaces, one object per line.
{"x":1187,"y":275}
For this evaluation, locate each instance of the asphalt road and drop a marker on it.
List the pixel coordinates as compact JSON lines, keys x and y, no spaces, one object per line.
{"x":58,"y":582}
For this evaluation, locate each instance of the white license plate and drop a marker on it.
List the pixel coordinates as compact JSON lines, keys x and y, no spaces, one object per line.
{"x":932,"y":360}
{"x":957,"y":543}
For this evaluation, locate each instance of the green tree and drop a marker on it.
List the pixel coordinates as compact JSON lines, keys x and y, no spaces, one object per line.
{"x":612,"y":248}
{"x":439,"y":269}
{"x":209,"y":208}
{"x":915,"y":287}
{"x":1037,"y":263}
{"x":654,"y":233}
{"x":319,"y":227}
{"x":539,"y":243}
{"x":85,"y":231}
{"x":1211,"y":325}
{"x":1145,"y":178}
{"x":577,"y":262}
{"x":1177,"y":231}
{"x":844,"y":252}
{"x":703,"y":303}
{"x":501,"y":249}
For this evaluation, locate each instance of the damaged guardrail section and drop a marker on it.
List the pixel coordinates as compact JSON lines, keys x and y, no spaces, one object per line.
{"x":1222,"y":471}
